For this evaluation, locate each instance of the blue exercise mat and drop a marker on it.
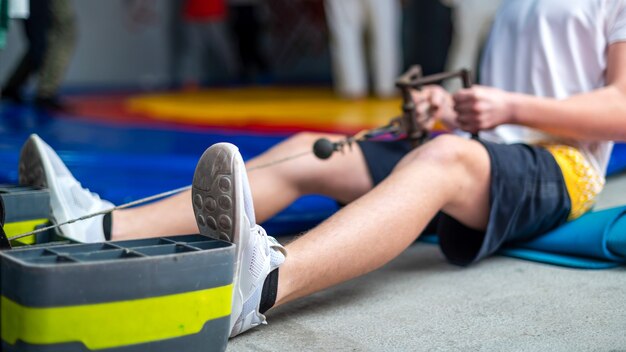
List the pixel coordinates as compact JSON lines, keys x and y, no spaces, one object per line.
{"x":596,"y":240}
{"x":617,"y":163}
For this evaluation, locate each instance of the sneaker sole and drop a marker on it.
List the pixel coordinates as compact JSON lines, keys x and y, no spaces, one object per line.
{"x":217,"y":198}
{"x":215,"y":195}
{"x":32,"y":172}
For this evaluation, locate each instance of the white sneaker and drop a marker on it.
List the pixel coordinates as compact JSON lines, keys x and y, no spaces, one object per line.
{"x":222,"y":204}
{"x":40,"y":166}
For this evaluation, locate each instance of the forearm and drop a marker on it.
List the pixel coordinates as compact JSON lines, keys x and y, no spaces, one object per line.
{"x":598,"y":115}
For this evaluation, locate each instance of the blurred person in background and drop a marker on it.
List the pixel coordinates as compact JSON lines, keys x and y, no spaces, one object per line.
{"x":35,"y":28}
{"x":206,"y":37}
{"x":62,"y":37}
{"x":4,"y":22}
{"x":472,"y":21}
{"x":246,"y":23}
{"x":9,"y":9}
{"x":51,"y":33}
{"x":349,"y":21}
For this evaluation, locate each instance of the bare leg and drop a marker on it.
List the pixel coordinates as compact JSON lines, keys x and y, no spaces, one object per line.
{"x":343,"y":177}
{"x":449,"y":174}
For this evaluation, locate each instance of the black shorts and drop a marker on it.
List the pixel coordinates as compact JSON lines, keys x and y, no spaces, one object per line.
{"x":528,"y":197}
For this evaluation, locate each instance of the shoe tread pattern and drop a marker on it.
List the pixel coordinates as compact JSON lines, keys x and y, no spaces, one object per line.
{"x":30,"y":170}
{"x":213,"y":194}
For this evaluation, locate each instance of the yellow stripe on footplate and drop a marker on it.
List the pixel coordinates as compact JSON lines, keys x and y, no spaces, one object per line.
{"x":20,"y":227}
{"x":115,"y":324}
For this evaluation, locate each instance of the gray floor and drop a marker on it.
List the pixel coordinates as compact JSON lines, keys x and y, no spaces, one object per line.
{"x":418,"y":302}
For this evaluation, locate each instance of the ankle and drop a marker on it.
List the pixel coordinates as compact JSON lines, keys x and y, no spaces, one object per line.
{"x":119,"y":229}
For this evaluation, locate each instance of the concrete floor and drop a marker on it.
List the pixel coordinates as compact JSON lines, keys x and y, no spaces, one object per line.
{"x":418,"y":302}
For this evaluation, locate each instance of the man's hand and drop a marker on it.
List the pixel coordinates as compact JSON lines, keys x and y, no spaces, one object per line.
{"x":438,"y":103}
{"x":482,"y":108}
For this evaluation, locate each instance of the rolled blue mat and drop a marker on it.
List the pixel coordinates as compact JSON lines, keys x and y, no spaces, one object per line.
{"x":596,"y":240}
{"x":616,"y":238}
{"x":598,"y":235}
{"x":558,"y":259}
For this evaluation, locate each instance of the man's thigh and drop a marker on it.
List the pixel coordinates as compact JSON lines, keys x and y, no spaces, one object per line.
{"x":527,"y":197}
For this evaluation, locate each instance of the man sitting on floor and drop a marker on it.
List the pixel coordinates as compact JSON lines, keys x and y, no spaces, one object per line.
{"x":557,"y":97}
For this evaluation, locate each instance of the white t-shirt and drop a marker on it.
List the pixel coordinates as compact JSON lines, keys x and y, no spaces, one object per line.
{"x":552,"y":48}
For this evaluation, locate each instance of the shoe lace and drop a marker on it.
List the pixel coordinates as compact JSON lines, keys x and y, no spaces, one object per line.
{"x":269,"y":243}
{"x":83,"y":197}
{"x":260,"y":231}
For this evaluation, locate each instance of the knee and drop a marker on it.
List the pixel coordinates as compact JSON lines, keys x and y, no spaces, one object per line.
{"x":445,"y":151}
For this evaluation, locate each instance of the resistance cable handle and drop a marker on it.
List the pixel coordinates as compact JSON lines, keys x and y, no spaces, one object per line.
{"x":411,"y":123}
